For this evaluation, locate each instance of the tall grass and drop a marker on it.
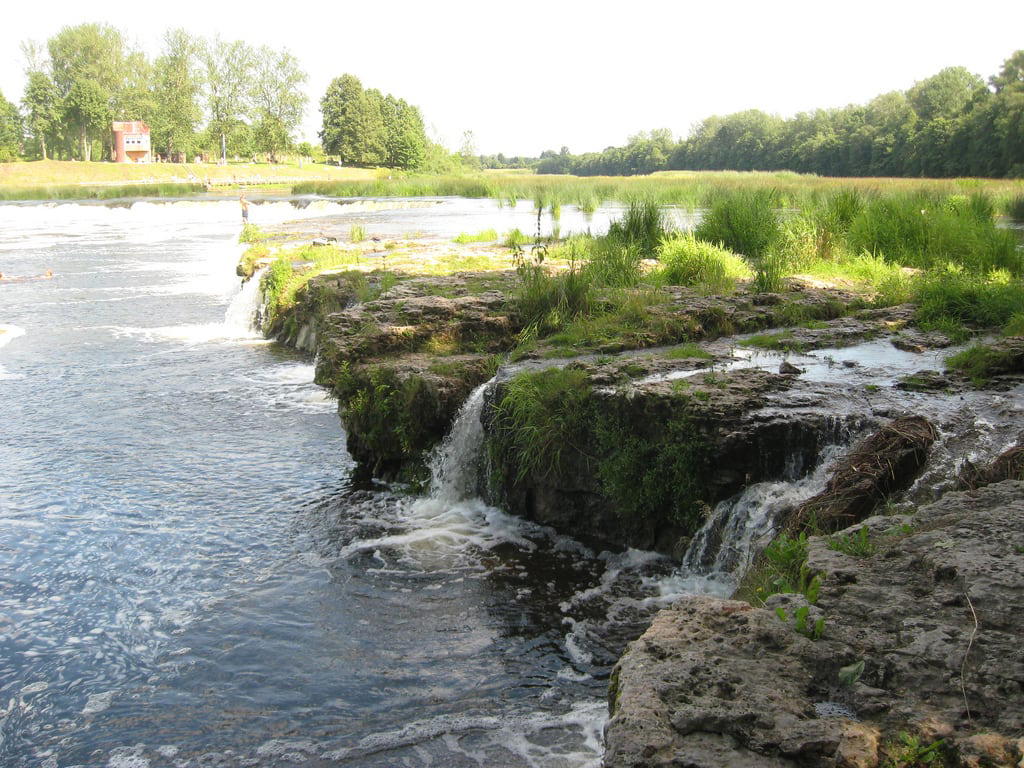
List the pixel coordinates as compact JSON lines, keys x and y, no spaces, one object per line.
{"x":642,"y":227}
{"x":111,"y":192}
{"x":922,"y":232}
{"x":1015,"y":208}
{"x":745,"y":222}
{"x":485,"y":236}
{"x":357,"y":233}
{"x":685,"y":260}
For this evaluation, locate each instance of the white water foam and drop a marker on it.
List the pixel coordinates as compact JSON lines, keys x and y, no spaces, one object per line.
{"x":9,"y":333}
{"x":450,"y":520}
{"x":240,"y":317}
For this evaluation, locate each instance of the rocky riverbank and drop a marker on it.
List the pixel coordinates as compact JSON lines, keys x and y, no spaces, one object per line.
{"x":895,"y":650}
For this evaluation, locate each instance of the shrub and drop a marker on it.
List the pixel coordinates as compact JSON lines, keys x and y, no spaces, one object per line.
{"x":689,"y":261}
{"x":744,"y":222}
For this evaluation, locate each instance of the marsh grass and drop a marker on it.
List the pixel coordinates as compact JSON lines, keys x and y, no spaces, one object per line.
{"x":689,"y":351}
{"x":107,"y":192}
{"x":281,"y":282}
{"x":780,"y":568}
{"x":857,"y":544}
{"x":685,"y":260}
{"x":538,"y":419}
{"x":1015,"y":208}
{"x":251,"y":234}
{"x":516,"y":239}
{"x":980,"y":362}
{"x":955,"y":301}
{"x":642,"y":227}
{"x":357,"y":233}
{"x":769,"y":272}
{"x":920,"y":231}
{"x":484,"y":236}
{"x":744,"y":222}
{"x":688,"y":189}
{"x":782,"y":340}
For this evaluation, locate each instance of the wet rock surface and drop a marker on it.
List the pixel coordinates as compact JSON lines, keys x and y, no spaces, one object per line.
{"x":926,"y":630}
{"x":709,"y":434}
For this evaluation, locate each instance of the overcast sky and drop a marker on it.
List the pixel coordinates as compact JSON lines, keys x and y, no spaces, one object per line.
{"x":527,"y":76}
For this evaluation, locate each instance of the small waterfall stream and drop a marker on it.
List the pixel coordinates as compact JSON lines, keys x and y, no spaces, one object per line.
{"x":240,"y":316}
{"x":721,"y":550}
{"x":453,"y":466}
{"x":729,"y":540}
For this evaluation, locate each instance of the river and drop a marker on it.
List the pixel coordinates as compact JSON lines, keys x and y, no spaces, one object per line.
{"x":190,"y":577}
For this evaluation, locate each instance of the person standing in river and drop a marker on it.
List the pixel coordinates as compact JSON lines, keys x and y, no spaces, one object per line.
{"x":245,"y":208}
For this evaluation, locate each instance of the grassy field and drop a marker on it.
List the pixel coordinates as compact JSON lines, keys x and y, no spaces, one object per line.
{"x":691,"y":189}
{"x":60,"y":174}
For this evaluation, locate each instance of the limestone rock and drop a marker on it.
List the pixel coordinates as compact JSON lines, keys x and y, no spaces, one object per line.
{"x":716,"y":683}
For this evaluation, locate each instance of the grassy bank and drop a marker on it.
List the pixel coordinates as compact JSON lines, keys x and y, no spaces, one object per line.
{"x":109,"y":192}
{"x":943,"y":253}
{"x":689,"y":189}
{"x":62,"y":180}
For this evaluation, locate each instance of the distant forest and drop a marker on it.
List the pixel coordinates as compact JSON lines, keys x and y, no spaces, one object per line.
{"x":951,"y":124}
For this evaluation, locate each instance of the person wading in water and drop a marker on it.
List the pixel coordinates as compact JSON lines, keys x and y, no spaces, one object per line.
{"x":245,"y":208}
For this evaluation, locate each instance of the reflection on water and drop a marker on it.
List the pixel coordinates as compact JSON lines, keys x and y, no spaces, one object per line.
{"x":188,"y":576}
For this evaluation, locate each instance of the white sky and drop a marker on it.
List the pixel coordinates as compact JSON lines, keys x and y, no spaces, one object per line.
{"x":526,"y":76}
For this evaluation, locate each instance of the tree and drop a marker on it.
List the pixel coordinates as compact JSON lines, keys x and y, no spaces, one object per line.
{"x":944,"y":94}
{"x":10,"y":131}
{"x":228,"y":75}
{"x":1011,"y":76}
{"x":178,"y":83}
{"x":87,"y":107}
{"x":353,"y":122}
{"x":42,"y":108}
{"x":277,"y":98}
{"x":405,"y":135}
{"x":89,"y":68}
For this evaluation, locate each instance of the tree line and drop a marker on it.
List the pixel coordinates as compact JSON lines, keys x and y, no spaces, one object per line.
{"x":196,"y":96}
{"x":951,"y":124}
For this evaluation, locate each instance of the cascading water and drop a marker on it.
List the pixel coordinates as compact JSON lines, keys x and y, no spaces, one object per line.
{"x":723,"y":548}
{"x":240,"y":316}
{"x":453,"y":466}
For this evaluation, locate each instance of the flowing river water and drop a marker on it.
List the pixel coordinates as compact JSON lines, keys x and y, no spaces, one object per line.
{"x":189,"y":577}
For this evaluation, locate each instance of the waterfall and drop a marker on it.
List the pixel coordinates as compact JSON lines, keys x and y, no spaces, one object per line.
{"x":724,"y":547}
{"x":240,"y":317}
{"x":453,"y":464}
{"x":444,"y":527}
